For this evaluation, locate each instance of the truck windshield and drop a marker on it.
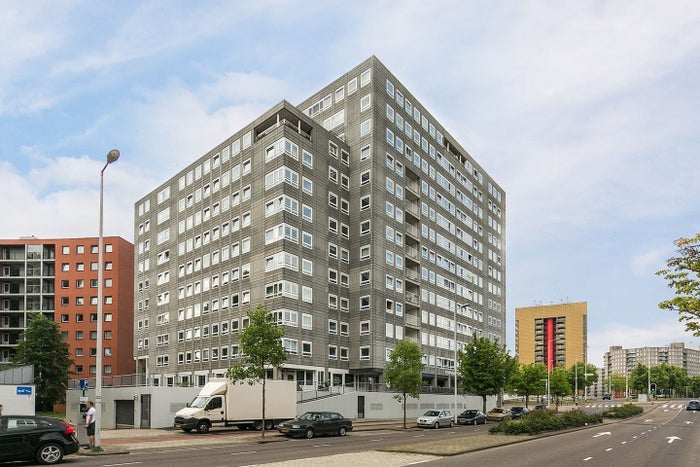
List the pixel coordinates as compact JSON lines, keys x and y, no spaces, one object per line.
{"x":199,"y":402}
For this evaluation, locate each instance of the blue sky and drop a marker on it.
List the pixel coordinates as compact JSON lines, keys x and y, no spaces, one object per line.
{"x":585,"y":112}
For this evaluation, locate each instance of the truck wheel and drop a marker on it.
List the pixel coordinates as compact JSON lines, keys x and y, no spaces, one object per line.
{"x":202,"y":428}
{"x":342,"y":431}
{"x":269,"y":425}
{"x":309,"y":433}
{"x":257,"y":425}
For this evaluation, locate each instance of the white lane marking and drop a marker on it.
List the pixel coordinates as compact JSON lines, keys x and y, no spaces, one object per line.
{"x":587,"y":459}
{"x":243,"y":453}
{"x":671,"y":439}
{"x":602,"y":434}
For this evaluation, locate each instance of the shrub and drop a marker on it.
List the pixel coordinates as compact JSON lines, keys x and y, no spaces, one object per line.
{"x":540,"y":421}
{"x":625,"y":411}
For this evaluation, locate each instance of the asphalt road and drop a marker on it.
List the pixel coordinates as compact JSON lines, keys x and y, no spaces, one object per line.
{"x":667,"y":436}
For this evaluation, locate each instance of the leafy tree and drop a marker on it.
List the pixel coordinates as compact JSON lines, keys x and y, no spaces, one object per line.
{"x":586,"y":374}
{"x":403,"y":372}
{"x":683,"y":275}
{"x":639,"y":378}
{"x":485,"y":367}
{"x":44,"y":348}
{"x":559,"y":383}
{"x":530,"y":379}
{"x":614,"y":383}
{"x":262,"y":345}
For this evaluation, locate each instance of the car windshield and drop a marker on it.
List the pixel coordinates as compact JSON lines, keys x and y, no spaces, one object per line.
{"x":310,"y":416}
{"x":496,"y":410}
{"x":199,"y":402}
{"x":469,"y":413}
{"x":431,"y":413}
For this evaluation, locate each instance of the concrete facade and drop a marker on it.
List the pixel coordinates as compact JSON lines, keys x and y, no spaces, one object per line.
{"x":355,"y":217}
{"x":620,"y":361}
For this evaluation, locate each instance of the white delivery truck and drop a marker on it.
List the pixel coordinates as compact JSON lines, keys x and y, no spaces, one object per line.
{"x":224,"y":402}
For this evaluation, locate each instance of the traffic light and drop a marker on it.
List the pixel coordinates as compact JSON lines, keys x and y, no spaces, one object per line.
{"x":653,"y":388}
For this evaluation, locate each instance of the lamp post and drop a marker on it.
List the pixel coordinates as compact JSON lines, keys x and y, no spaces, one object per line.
{"x":455,"y":364}
{"x":112,"y":156}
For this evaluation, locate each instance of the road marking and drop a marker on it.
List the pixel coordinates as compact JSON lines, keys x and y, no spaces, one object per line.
{"x":648,"y":420}
{"x":321,"y":445}
{"x":688,"y":422}
{"x":602,"y":434}
{"x":624,"y":442}
{"x":376,"y":440}
{"x":671,"y":439}
{"x":587,"y":459}
{"x":608,"y":450}
{"x":125,"y":463}
{"x":243,"y":453}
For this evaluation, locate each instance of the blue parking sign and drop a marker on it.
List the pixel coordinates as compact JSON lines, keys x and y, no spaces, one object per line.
{"x":84,"y":383}
{"x":24,"y":390}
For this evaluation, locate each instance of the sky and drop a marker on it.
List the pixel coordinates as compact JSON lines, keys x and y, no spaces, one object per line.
{"x":585,"y":112}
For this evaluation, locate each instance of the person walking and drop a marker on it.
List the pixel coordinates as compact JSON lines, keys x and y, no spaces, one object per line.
{"x":90,"y":419}
{"x":0,"y":409}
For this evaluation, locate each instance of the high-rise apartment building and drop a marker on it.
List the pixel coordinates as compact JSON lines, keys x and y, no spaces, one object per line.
{"x":555,"y":335}
{"x":354,"y":217}
{"x":58,"y":277}
{"x":621,"y":361}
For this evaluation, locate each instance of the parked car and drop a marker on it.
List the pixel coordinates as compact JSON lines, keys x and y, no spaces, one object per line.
{"x":471,"y":417}
{"x":32,"y":438}
{"x":542,"y":407}
{"x":436,"y":419}
{"x":519,"y":412}
{"x":498,"y":414}
{"x":693,"y":405}
{"x":315,"y":423}
{"x":607,"y":396}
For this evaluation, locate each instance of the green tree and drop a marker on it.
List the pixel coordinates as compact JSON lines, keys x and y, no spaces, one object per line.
{"x":43,"y":347}
{"x":585,"y":374}
{"x":683,"y":275}
{"x":261,"y":343}
{"x":559,"y":383}
{"x":530,"y":379}
{"x":485,"y":368}
{"x":614,"y":383}
{"x":639,"y":379}
{"x":403,"y":372}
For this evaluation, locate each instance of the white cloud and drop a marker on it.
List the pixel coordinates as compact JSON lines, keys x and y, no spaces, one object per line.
{"x":648,"y":262}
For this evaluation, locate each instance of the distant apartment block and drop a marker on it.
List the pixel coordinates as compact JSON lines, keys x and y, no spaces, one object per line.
{"x":555,"y":335}
{"x":354,"y":217}
{"x":58,"y":277}
{"x":620,"y":361}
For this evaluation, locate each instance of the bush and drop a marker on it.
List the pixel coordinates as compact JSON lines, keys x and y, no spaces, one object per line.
{"x":625,"y":411}
{"x":540,"y":421}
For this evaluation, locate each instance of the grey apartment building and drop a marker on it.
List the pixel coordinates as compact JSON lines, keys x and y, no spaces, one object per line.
{"x":354,"y":217}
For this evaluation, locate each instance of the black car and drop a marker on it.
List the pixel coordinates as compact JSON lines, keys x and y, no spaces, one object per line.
{"x":316,"y":423}
{"x":519,"y":412}
{"x":693,"y":405}
{"x":607,"y":396}
{"x":471,"y":417}
{"x":31,"y":438}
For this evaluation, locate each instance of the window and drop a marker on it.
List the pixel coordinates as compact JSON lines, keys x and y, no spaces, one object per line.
{"x":365,"y":227}
{"x":332,"y":326}
{"x":364,"y":353}
{"x":365,"y":102}
{"x":365,"y":127}
{"x":365,"y":252}
{"x":365,"y":202}
{"x":364,"y":302}
{"x":332,"y":352}
{"x":364,"y":328}
{"x":365,"y":177}
{"x":305,"y":349}
{"x":365,"y":277}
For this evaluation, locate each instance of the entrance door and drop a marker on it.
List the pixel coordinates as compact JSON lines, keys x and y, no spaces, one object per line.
{"x":360,"y":406}
{"x":145,"y":410}
{"x":125,"y":413}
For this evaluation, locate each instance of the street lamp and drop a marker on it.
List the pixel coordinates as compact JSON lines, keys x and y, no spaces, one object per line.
{"x":112,"y":156}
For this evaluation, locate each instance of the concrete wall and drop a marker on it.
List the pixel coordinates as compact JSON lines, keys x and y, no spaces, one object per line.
{"x":166,"y":401}
{"x":17,"y":399}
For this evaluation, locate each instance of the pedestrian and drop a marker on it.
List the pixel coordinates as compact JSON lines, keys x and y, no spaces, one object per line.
{"x":0,"y":409}
{"x":90,"y":419}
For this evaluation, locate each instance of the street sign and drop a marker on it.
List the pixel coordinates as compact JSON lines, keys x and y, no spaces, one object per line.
{"x":84,"y":384}
{"x":24,"y":390}
{"x":84,"y":398}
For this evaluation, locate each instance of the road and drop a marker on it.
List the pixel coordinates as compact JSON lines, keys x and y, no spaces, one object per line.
{"x":667,"y":436}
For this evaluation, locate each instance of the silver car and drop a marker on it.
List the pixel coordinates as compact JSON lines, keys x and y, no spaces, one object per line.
{"x":436,"y":419}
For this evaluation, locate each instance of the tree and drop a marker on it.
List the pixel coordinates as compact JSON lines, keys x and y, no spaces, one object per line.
{"x":530,"y":379}
{"x":485,"y":367}
{"x":261,"y":343}
{"x":585,"y":374}
{"x":43,"y":347}
{"x":639,"y":378}
{"x":403,"y":372}
{"x":559,"y":383}
{"x":683,"y":275}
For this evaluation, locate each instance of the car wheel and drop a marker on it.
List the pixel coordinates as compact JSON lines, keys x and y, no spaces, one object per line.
{"x":202,"y":428}
{"x":342,"y":431}
{"x":452,"y":423}
{"x":50,"y":453}
{"x":309,"y":433}
{"x":436,"y":425}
